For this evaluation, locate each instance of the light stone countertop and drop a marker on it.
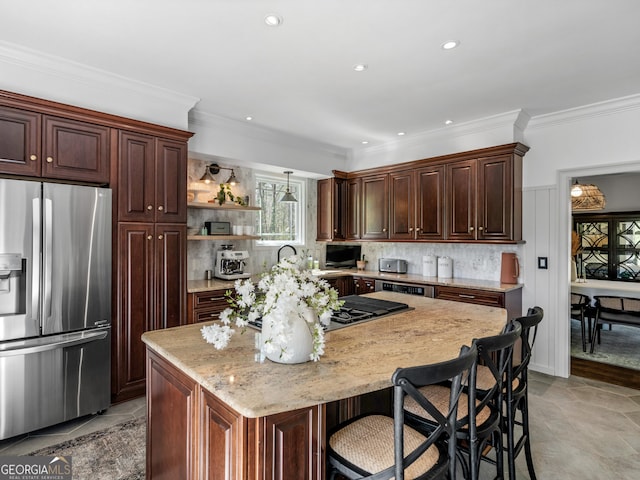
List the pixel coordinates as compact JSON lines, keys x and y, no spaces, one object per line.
{"x":357,"y":360}
{"x":195,"y":286}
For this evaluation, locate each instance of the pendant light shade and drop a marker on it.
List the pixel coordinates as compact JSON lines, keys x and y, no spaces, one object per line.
{"x":232,"y":180}
{"x":288,"y":196}
{"x":586,"y":198}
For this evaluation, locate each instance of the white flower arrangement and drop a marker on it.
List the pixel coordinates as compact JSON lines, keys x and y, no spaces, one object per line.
{"x":283,"y":294}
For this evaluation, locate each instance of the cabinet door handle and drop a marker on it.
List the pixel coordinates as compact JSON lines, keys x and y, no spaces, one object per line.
{"x":149,"y":237}
{"x":149,"y":207}
{"x":160,"y":237}
{"x":471,"y":229}
{"x":462,"y":295}
{"x":481,"y":228}
{"x":33,"y":157}
{"x":213,"y":299}
{"x":411,"y":229}
{"x":335,"y":230}
{"x":384,"y":229}
{"x":49,"y":159}
{"x":160,"y":208}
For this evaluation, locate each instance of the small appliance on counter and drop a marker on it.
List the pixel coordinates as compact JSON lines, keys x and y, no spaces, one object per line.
{"x":218,"y":228}
{"x":392,"y":265}
{"x":230,"y":263}
{"x":445,"y":267}
{"x":509,"y":268}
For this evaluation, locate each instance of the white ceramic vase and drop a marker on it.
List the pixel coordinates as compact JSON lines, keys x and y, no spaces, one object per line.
{"x":299,"y":341}
{"x":574,"y":270}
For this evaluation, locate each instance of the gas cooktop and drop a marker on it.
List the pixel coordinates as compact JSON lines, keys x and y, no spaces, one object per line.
{"x":357,"y":309}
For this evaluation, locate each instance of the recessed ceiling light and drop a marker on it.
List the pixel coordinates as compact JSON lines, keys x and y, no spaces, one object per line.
{"x":360,"y":67}
{"x":365,"y":142}
{"x":448,"y":45}
{"x":273,"y":20}
{"x":248,"y":118}
{"x":448,"y":122}
{"x":400,"y":134}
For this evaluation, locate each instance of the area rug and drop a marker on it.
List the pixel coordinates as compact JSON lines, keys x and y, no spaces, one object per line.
{"x":619,"y":346}
{"x":117,"y":452}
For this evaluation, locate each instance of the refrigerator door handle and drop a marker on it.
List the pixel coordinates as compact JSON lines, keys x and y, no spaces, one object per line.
{"x":48,"y":242}
{"x":35,"y":260}
{"x":61,"y":341}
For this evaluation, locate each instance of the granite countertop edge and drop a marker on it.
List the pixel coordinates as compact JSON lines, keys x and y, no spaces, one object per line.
{"x":197,"y":286}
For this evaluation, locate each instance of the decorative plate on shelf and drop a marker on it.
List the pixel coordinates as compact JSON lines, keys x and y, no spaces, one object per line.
{"x":195,"y":192}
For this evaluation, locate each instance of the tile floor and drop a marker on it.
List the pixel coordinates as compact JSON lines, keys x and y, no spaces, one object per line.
{"x":581,"y":429}
{"x":23,"y":444}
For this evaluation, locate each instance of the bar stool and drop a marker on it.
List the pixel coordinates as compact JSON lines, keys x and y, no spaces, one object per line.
{"x":517,"y":398}
{"x":373,"y":446}
{"x":479,"y":421}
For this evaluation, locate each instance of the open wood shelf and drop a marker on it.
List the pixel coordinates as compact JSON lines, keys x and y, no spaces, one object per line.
{"x":223,"y":237}
{"x":224,"y":206}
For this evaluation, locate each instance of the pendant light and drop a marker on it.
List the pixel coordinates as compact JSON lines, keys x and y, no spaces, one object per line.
{"x":586,"y":197}
{"x":288,"y":196}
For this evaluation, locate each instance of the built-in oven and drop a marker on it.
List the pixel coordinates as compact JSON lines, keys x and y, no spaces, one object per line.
{"x":406,"y":288}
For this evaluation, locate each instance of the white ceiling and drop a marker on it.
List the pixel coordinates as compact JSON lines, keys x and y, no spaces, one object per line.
{"x":541,"y":56}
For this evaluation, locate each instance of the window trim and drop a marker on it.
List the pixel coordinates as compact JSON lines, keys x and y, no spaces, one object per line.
{"x":301,"y":208}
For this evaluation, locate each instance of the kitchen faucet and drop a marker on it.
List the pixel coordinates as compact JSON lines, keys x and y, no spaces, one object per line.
{"x":284,"y":246}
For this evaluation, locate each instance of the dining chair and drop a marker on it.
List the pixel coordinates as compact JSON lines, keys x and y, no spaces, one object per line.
{"x":517,"y":394}
{"x":579,"y":311}
{"x":615,"y":309}
{"x":479,"y":420}
{"x":379,"y":447}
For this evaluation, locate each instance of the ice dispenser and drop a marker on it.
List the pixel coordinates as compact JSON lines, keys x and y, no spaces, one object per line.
{"x":12,"y":284}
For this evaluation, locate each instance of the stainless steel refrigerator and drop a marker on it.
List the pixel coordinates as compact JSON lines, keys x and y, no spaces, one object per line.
{"x":55,"y":303}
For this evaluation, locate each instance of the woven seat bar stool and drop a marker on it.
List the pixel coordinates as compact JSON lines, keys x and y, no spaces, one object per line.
{"x":517,"y":397}
{"x":380,"y":447}
{"x":479,"y":421}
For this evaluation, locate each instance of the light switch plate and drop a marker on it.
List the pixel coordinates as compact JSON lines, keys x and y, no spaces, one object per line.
{"x":542,"y":263}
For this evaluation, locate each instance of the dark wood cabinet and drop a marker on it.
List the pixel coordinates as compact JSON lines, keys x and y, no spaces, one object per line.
{"x":510,"y":300}
{"x":193,"y":435}
{"x":152,"y":179}
{"x":473,"y":196}
{"x":402,"y":204}
{"x":363,"y":285}
{"x":375,"y":207}
{"x":430,"y":203}
{"x":344,"y":285}
{"x":151,"y":295}
{"x":331,"y":212}
{"x":484,"y":199}
{"x":461,"y":200}
{"x":32,"y":144}
{"x":206,"y":306}
{"x":353,"y":209}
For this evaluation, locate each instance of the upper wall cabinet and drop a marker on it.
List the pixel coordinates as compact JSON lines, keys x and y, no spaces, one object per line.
{"x":473,"y":196}
{"x":47,"y":146}
{"x":375,"y":207}
{"x":152,"y":179}
{"x":331,"y":218}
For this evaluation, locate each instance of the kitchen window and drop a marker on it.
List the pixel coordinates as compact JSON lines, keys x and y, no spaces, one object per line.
{"x":610,"y":246}
{"x":279,"y":222}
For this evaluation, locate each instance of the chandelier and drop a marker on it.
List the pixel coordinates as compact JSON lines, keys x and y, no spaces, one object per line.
{"x":586,"y":197}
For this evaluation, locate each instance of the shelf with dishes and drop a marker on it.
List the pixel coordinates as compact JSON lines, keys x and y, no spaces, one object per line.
{"x":224,"y":206}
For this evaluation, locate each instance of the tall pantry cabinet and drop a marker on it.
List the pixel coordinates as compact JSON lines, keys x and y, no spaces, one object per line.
{"x":151,"y":249}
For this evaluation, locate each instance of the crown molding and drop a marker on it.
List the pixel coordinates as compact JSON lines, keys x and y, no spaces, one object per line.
{"x":96,"y":79}
{"x":261,"y":133}
{"x":607,"y":107}
{"x":513,"y":123}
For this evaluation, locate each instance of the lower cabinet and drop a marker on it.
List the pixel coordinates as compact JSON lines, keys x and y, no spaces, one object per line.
{"x":206,"y":306}
{"x":192,"y":434}
{"x":363,"y":285}
{"x":151,"y":294}
{"x":511,"y":300}
{"x":344,"y":285}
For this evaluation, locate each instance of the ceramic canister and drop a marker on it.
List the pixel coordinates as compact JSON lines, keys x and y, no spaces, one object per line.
{"x":445,"y":267}
{"x":429,"y":266}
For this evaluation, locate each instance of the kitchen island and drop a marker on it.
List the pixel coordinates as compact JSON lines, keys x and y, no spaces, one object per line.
{"x":222,"y":414}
